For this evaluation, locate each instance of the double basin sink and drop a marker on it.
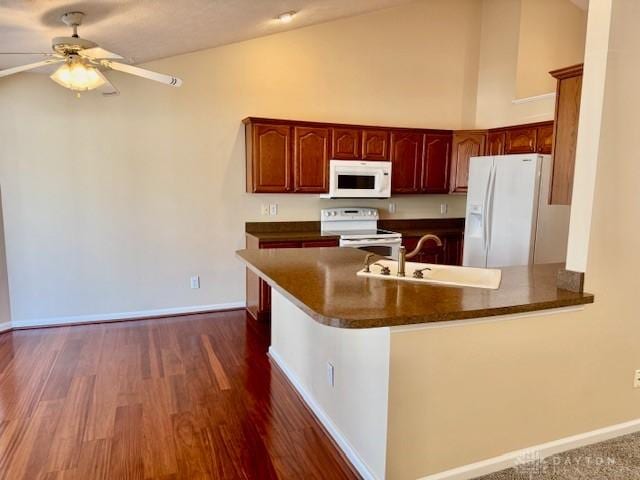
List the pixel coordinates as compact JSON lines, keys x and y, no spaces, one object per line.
{"x":435,"y":274}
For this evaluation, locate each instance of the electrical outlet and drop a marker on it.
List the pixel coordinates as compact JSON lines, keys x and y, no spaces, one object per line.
{"x":273,"y":209}
{"x":443,"y":208}
{"x":636,"y":379}
{"x":195,"y":281}
{"x":392,"y":207}
{"x":264,"y":210}
{"x":330,"y":375}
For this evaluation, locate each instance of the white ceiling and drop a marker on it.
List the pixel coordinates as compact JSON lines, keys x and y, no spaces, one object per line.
{"x":144,"y":30}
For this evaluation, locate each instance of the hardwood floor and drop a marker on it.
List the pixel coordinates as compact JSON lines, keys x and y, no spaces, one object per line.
{"x":192,"y":397}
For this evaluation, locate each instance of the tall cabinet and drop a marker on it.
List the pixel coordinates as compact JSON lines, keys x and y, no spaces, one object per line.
{"x":568,"y":93}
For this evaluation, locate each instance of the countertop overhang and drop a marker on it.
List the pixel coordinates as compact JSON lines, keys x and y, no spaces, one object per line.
{"x":323,"y":283}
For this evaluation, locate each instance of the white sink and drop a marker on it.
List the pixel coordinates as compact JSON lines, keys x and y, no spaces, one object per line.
{"x":438,"y":274}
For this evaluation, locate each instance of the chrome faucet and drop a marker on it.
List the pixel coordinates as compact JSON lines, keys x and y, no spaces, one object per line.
{"x":403,"y":255}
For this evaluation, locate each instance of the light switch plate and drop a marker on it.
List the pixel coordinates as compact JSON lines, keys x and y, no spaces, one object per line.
{"x":636,"y":379}
{"x":273,"y":209}
{"x":195,"y":281}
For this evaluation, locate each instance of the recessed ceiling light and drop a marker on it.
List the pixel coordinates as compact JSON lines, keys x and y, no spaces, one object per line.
{"x":286,"y":17}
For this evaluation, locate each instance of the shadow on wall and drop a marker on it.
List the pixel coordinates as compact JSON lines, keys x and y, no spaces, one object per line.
{"x":5,"y":308}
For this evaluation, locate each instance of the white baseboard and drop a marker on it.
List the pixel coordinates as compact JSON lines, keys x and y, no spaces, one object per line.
{"x":118,"y":316}
{"x":322,"y":416}
{"x":5,"y":326}
{"x":511,"y":459}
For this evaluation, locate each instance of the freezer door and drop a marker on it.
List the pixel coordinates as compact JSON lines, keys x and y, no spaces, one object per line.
{"x":513,"y":210}
{"x":476,"y":226}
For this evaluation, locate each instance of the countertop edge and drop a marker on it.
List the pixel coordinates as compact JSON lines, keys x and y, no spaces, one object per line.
{"x":587,"y":299}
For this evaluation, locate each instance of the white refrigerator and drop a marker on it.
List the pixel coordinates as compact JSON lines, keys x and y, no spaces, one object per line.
{"x":509,"y":220}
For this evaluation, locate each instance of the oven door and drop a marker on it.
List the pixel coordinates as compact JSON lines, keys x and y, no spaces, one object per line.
{"x":359,"y":179}
{"x":386,"y":247}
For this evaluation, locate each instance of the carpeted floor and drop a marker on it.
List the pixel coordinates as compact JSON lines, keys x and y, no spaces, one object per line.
{"x":616,"y":459}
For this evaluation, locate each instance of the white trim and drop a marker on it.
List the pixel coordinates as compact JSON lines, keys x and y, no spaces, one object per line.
{"x":5,"y":326}
{"x":321,"y":415}
{"x":494,"y":319}
{"x":509,"y":460}
{"x":534,"y":98}
{"x":114,"y":317}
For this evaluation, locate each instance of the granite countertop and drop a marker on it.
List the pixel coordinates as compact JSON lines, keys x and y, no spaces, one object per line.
{"x":323,"y":283}
{"x":292,"y":236}
{"x":310,"y":230}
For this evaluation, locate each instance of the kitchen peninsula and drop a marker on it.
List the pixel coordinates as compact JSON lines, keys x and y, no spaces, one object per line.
{"x":377,"y":353}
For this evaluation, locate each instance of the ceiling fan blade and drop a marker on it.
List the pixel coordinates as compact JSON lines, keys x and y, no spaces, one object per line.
{"x":30,"y":66}
{"x":141,"y":72}
{"x":97,"y":53}
{"x":107,"y":89}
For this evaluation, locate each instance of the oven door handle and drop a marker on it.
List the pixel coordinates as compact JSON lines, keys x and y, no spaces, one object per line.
{"x":373,"y":241}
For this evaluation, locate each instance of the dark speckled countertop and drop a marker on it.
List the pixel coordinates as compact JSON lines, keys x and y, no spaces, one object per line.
{"x":323,"y":283}
{"x":310,"y":230}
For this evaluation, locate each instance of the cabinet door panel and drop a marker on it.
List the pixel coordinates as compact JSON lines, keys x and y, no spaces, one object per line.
{"x":271,"y":158}
{"x":435,"y":167}
{"x":465,"y":145}
{"x":495,"y":143}
{"x":375,"y":144}
{"x":521,"y":140}
{"x":346,"y":144}
{"x":544,"y":141}
{"x":406,"y":161}
{"x":311,"y":159}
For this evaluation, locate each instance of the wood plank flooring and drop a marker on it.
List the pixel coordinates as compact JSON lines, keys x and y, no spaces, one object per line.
{"x":192,"y":397}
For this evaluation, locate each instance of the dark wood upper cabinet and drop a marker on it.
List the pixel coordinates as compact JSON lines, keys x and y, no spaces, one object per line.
{"x":268,"y":158}
{"x":565,"y":136}
{"x":375,"y":144}
{"x":465,"y":144}
{"x":285,"y":156}
{"x":435,"y":166}
{"x":520,"y":140}
{"x":346,"y":143}
{"x":311,"y":159}
{"x":407,"y":149}
{"x":495,"y":143}
{"x":544,"y":141}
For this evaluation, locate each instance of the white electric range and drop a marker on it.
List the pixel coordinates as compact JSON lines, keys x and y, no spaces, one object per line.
{"x":358,"y":228}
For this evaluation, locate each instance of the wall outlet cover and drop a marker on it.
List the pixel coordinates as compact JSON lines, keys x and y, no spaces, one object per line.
{"x":636,"y":379}
{"x":273,"y":209}
{"x":330,"y":375}
{"x":264,"y":210}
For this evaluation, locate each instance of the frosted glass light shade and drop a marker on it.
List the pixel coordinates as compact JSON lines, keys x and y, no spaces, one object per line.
{"x":78,"y":76}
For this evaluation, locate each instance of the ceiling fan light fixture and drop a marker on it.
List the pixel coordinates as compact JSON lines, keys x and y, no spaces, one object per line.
{"x":78,"y":77}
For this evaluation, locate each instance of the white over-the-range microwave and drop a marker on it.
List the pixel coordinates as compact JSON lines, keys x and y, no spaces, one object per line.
{"x":359,"y":179}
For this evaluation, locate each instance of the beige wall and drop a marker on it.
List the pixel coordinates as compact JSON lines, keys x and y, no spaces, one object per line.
{"x":501,"y":386}
{"x":111,"y":204}
{"x":552,"y":35}
{"x":517,"y":49}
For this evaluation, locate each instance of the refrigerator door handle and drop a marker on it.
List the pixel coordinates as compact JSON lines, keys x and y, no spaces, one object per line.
{"x":485,"y":203}
{"x":490,"y":196}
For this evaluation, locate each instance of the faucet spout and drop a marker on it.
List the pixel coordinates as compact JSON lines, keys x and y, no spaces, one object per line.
{"x":423,"y":239}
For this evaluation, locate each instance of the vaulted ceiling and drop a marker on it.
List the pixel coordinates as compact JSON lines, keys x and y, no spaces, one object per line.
{"x":150,"y":29}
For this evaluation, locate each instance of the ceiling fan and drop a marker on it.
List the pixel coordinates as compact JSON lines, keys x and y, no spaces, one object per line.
{"x":83,"y":61}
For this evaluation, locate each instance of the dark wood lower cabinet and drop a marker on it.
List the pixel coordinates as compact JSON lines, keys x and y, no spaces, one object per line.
{"x":450,"y":253}
{"x":258,"y":291}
